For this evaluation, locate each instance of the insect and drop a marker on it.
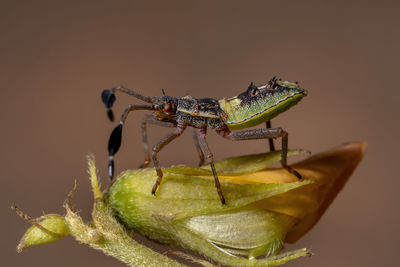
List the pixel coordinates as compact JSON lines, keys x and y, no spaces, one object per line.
{"x":229,"y":117}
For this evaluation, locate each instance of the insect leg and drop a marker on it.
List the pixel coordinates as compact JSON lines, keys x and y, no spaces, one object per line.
{"x":270,"y":140}
{"x":163,"y":142}
{"x":263,"y":134}
{"x":149,"y":119}
{"x":116,"y":135}
{"x":197,"y":145}
{"x":204,"y":147}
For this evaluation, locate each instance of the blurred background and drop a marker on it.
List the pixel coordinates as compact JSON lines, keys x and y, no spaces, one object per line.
{"x":57,"y":56}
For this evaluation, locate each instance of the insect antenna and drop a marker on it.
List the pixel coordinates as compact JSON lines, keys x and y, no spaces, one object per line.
{"x":114,"y":142}
{"x":108,"y":98}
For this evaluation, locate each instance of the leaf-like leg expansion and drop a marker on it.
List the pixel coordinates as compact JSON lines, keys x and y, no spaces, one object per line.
{"x":149,"y":119}
{"x":114,"y":142}
{"x":209,"y":156}
{"x":163,"y":142}
{"x":263,"y":134}
{"x":270,"y":140}
{"x":197,"y":145}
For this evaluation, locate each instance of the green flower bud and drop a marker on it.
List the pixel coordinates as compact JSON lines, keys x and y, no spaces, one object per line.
{"x":48,"y":228}
{"x":187,"y":210}
{"x":265,"y":207}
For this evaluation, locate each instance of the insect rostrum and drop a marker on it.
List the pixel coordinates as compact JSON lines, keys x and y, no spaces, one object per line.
{"x":256,"y":105}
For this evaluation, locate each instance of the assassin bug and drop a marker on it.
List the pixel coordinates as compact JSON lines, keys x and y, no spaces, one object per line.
{"x":258,"y":104}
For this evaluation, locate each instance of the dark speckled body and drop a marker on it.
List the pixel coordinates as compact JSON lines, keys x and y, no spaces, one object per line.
{"x":189,"y":111}
{"x":200,"y":122}
{"x":202,"y":107}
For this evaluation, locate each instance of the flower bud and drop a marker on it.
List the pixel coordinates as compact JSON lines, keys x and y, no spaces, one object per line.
{"x":265,"y":207}
{"x":51,"y":228}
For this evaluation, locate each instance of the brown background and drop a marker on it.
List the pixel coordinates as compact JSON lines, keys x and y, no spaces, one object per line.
{"x":57,"y":56}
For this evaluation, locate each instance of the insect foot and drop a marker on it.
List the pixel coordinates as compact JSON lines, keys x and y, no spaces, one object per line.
{"x":284,"y":136}
{"x":296,"y":173}
{"x":158,"y":182}
{"x":144,"y":164}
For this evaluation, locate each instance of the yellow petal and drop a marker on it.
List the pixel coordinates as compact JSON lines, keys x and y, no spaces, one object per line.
{"x":329,"y":171}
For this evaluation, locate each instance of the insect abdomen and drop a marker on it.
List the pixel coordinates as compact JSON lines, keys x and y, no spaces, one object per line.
{"x":243,"y":114}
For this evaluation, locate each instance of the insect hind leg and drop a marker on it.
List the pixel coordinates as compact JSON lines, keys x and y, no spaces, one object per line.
{"x":255,"y":134}
{"x":201,"y":135}
{"x":270,"y":140}
{"x":197,"y":145}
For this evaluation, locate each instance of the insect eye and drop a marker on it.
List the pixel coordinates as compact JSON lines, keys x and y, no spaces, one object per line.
{"x":167,"y":107}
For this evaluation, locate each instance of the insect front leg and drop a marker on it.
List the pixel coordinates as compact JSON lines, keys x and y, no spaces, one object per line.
{"x":149,"y":119}
{"x":163,"y":142}
{"x":197,"y":145}
{"x":209,"y":156}
{"x":263,"y":134}
{"x":114,"y":142}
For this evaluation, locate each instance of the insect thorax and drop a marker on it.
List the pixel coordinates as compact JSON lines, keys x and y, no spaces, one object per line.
{"x":202,"y":107}
{"x":199,"y":122}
